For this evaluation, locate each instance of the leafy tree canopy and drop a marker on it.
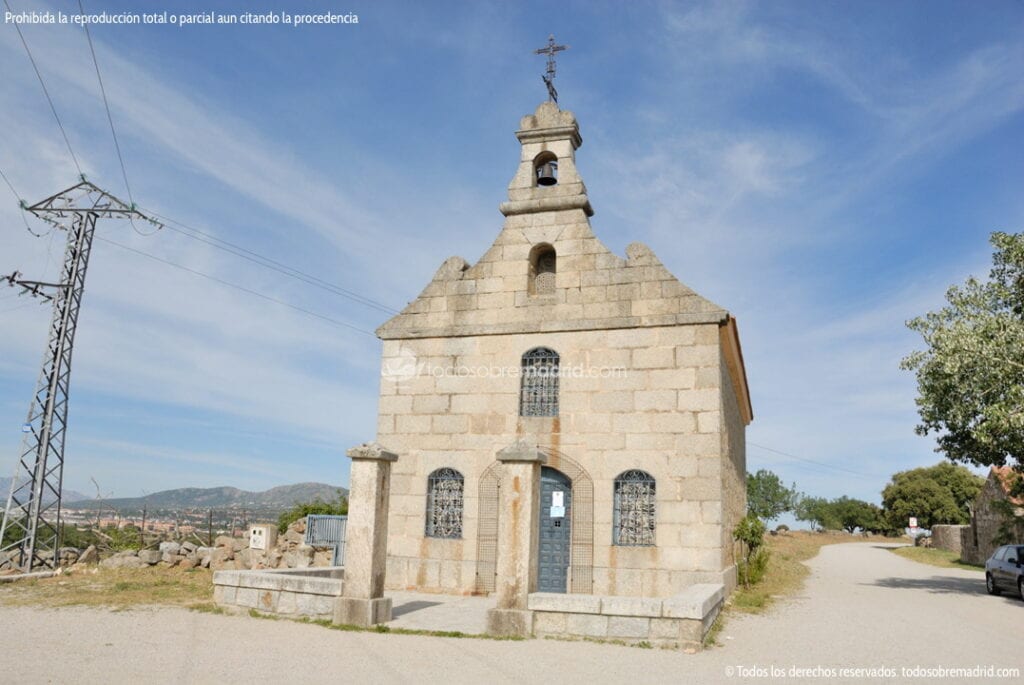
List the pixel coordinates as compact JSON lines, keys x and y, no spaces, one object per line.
{"x":818,"y":512}
{"x":922,"y":494}
{"x":852,"y":514}
{"x":768,"y":497}
{"x":970,"y":379}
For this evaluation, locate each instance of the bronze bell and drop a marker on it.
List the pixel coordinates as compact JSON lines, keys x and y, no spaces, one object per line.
{"x":547,"y":174}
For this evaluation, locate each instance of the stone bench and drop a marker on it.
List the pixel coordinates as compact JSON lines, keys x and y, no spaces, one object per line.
{"x":296,"y":593}
{"x":682,"y":620}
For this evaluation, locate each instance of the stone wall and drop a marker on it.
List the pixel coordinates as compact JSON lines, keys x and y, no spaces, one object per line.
{"x":978,"y":540}
{"x":734,"y":477}
{"x":226,"y":553}
{"x":680,"y":621}
{"x":293,"y":593}
{"x":948,"y":537}
{"x":663,"y":415}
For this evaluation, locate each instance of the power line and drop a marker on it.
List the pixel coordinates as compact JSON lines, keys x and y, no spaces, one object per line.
{"x":272,"y":264}
{"x":39,"y":75}
{"x":237,"y":287}
{"x":812,"y":461}
{"x":106,"y":105}
{"x":21,"y":204}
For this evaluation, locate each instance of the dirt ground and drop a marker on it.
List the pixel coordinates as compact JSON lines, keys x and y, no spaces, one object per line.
{"x":862,"y":608}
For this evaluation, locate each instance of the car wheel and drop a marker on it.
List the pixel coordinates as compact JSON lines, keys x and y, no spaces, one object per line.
{"x":990,"y":584}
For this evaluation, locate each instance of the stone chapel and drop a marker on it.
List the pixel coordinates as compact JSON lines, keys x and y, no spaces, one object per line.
{"x":566,"y":420}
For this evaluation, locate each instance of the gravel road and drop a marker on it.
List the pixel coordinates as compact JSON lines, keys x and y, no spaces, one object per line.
{"x":863,"y":607}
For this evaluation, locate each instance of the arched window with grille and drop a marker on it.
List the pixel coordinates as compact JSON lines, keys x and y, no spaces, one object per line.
{"x":543,"y":267}
{"x":444,"y":504}
{"x":538,"y":394}
{"x":634,"y":516}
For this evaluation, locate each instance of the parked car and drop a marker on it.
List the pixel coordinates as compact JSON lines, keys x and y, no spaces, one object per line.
{"x":1005,"y":570}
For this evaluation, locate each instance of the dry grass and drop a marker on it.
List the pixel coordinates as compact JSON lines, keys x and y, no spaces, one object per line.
{"x":114,"y":588}
{"x":935,"y":557}
{"x":786,"y":572}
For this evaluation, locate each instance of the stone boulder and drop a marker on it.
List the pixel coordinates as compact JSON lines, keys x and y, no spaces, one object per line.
{"x":150,"y":556}
{"x":126,"y":561}
{"x":89,"y":556}
{"x":170,"y":547}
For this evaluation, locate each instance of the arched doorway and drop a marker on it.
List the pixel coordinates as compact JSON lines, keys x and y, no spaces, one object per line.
{"x":581,"y":524}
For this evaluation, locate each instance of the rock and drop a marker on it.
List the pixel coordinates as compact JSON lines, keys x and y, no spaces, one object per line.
{"x":189,"y":547}
{"x":89,"y":556}
{"x":300,"y":557}
{"x":224,"y":541}
{"x":323,"y":557}
{"x":240,"y":544}
{"x":294,"y":536}
{"x":244,"y":557}
{"x":150,"y":556}
{"x":170,"y":547}
{"x":205,"y":561}
{"x":220,"y":556}
{"x":187,"y":563}
{"x":124,"y":562}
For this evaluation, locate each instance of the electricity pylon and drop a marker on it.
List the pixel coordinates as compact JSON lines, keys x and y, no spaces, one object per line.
{"x":32,"y":517}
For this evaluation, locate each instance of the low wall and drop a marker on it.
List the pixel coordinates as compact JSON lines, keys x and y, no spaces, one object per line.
{"x":294,"y":593}
{"x":948,"y":537}
{"x":679,"y":621}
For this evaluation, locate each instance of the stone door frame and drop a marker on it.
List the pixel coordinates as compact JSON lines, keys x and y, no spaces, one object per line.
{"x":581,"y":564}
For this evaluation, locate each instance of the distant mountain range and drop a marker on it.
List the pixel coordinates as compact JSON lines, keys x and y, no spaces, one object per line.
{"x":5,"y":490}
{"x":280,"y":498}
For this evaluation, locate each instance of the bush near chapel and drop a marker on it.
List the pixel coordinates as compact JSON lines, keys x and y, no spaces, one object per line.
{"x":338,"y":507}
{"x":752,"y":567}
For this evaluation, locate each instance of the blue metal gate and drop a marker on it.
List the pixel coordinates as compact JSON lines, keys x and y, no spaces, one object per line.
{"x":327,"y":531}
{"x":555,"y":531}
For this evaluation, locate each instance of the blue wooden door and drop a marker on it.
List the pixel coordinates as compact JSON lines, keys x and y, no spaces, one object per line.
{"x":555,"y":531}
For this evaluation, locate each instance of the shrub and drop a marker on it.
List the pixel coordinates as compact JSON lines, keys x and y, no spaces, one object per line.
{"x":781,"y":528}
{"x":752,"y":569}
{"x":338,"y":507}
{"x":750,"y":532}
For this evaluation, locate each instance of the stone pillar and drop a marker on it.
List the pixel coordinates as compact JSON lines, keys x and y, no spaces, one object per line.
{"x":518,"y":540}
{"x":366,"y":538}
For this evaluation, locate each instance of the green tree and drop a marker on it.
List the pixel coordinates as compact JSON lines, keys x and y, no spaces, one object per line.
{"x":935,"y":494}
{"x":852,"y":514}
{"x":337,"y":507}
{"x":923,"y":499}
{"x":750,"y":531}
{"x":970,"y":379}
{"x":817,"y":511}
{"x":768,"y":497}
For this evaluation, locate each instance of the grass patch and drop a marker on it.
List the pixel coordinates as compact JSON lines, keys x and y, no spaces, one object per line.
{"x":935,"y":557}
{"x":711,"y":639}
{"x":786,"y":572}
{"x":115,"y":588}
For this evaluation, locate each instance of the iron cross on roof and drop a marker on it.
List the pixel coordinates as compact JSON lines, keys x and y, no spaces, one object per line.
{"x":549,"y":77}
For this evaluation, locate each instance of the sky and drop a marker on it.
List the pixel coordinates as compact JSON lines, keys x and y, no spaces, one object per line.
{"x":823,"y":170}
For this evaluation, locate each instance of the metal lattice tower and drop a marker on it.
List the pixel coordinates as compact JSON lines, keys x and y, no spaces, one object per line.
{"x":32,"y":515}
